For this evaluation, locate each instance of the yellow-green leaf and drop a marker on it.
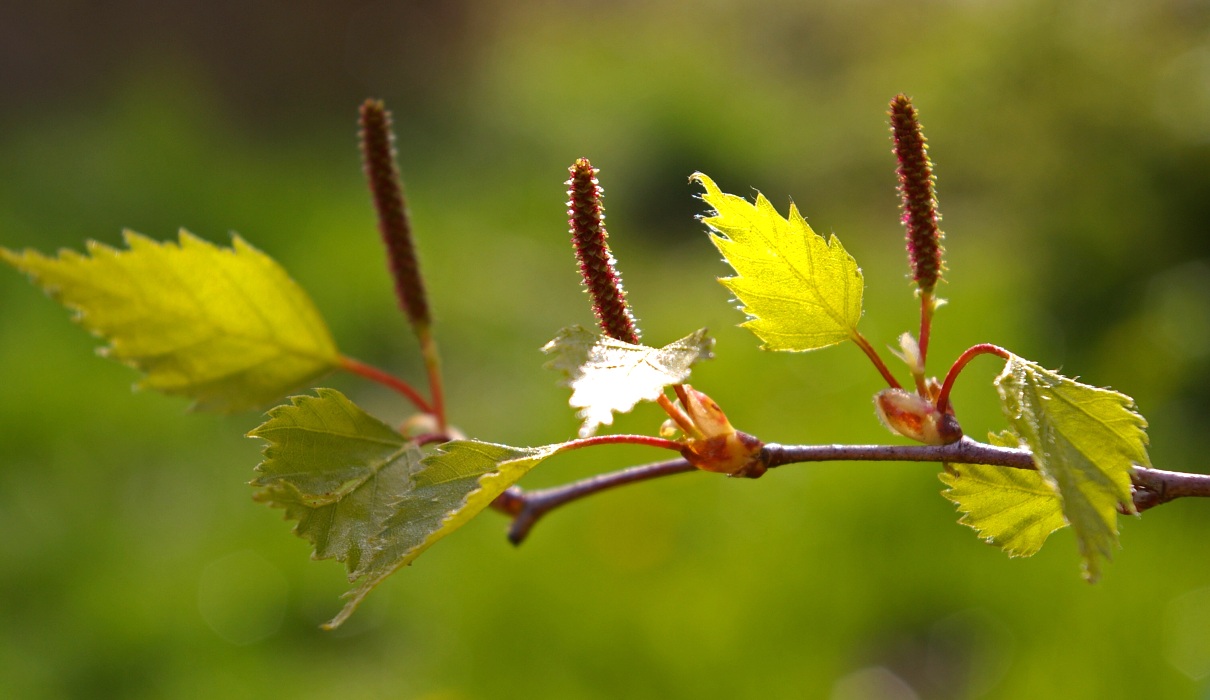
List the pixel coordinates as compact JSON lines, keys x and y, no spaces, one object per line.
{"x":1014,"y":509}
{"x":226,"y":327}
{"x":1085,"y":441}
{"x":365,"y":495}
{"x":802,"y":292}
{"x":609,"y":376}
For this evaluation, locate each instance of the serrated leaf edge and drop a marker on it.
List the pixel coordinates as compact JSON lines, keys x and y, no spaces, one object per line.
{"x":370,"y":580}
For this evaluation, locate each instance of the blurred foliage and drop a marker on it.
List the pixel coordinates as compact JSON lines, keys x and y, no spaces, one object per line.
{"x":1070,"y":142}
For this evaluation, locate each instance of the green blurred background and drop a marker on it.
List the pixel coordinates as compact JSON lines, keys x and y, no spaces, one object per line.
{"x":1072,"y":144}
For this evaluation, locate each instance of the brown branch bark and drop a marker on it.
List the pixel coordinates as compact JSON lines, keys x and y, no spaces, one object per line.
{"x":1152,"y":487}
{"x":527,"y":507}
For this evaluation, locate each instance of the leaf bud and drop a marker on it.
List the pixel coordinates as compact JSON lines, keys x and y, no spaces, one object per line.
{"x":722,"y":448}
{"x":916,"y":417}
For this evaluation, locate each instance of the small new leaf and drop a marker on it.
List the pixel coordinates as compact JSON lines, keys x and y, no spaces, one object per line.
{"x":609,"y":376}
{"x":802,"y":292}
{"x":364,"y":495}
{"x":1014,"y":509}
{"x":226,"y":327}
{"x":1085,"y":441}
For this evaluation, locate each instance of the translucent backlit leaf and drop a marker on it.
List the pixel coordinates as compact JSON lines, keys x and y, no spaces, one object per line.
{"x":609,"y":376}
{"x":365,"y":495}
{"x":802,"y":292}
{"x":1014,"y":509}
{"x":226,"y":327}
{"x":1085,"y":440}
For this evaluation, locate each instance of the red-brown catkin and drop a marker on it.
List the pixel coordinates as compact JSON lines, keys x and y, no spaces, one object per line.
{"x":382,"y":172}
{"x":917,"y":186}
{"x":586,"y":217}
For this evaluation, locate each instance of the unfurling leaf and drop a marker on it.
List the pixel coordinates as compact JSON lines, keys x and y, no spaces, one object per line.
{"x":714,"y":445}
{"x":609,"y":376}
{"x":226,"y":327}
{"x":1014,"y":509}
{"x":802,"y":292}
{"x":364,"y":495}
{"x":1085,"y":441}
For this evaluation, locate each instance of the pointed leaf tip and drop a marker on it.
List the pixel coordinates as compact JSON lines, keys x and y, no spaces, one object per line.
{"x":801,"y":291}
{"x":226,"y":327}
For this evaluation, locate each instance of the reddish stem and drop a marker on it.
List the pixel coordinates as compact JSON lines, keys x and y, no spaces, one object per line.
{"x":873,"y":355}
{"x":431,"y":439}
{"x":432,"y":364}
{"x":926,"y":324}
{"x":374,"y":374}
{"x":647,"y":440}
{"x":943,"y":399}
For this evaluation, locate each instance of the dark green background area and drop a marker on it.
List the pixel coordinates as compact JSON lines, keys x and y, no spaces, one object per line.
{"x":1072,"y":147}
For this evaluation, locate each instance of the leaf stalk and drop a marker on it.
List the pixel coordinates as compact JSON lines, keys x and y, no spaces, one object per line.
{"x":386,"y":379}
{"x":871,"y":353}
{"x":943,"y":398}
{"x":928,"y":304}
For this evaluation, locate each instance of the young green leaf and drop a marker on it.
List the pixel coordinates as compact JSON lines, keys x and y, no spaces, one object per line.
{"x":802,"y":292}
{"x":452,"y":486}
{"x":335,"y":469}
{"x":1014,"y":509}
{"x":1085,"y":440}
{"x":364,"y":495}
{"x":609,"y":376}
{"x":226,"y":327}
